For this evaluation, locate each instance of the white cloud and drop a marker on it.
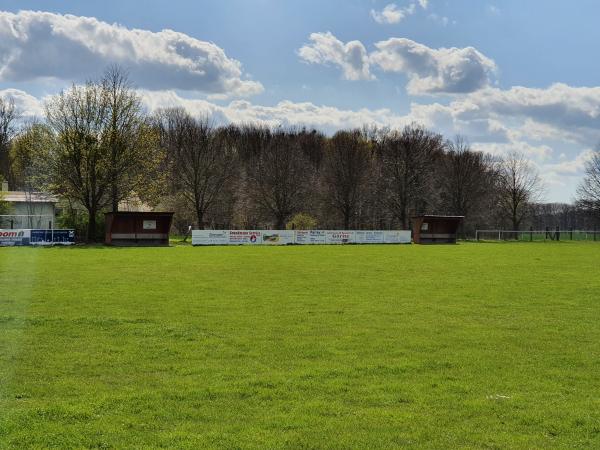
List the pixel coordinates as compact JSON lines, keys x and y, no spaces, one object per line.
{"x":393,"y":14}
{"x":326,"y":49}
{"x":26,"y":105}
{"x":38,"y":45}
{"x":537,"y":152}
{"x":565,"y":174}
{"x":488,"y":116}
{"x":431,"y":71}
{"x":285,"y":113}
{"x":560,"y":113}
{"x":424,"y":3}
{"x":571,"y":112}
{"x":573,"y":167}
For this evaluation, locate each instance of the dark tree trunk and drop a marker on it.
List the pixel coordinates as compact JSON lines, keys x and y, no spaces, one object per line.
{"x":280,"y":225}
{"x":515,"y":220}
{"x":200,"y":218}
{"x":5,"y":164}
{"x":115,"y":199}
{"x":347,"y":220}
{"x":403,"y":217}
{"x":91,"y":228}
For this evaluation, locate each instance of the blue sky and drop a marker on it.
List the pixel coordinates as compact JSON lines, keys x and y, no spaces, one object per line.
{"x":508,"y":75}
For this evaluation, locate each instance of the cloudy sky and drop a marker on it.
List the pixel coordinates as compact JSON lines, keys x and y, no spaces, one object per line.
{"x":507,"y":75}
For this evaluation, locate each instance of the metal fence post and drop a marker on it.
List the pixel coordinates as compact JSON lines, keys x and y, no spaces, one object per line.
{"x":530,"y":234}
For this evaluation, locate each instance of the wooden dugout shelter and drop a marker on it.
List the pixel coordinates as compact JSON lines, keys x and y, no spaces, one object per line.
{"x":433,"y":229}
{"x":138,"y":228}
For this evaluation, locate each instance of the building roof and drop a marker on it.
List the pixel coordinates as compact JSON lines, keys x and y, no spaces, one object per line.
{"x":28,"y":197}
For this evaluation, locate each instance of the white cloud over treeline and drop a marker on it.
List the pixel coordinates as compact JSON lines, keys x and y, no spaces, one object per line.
{"x":37,"y":45}
{"x":350,"y":57}
{"x":429,"y":71}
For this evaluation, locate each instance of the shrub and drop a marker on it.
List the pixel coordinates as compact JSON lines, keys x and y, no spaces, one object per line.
{"x":302,"y":221}
{"x":77,"y":219}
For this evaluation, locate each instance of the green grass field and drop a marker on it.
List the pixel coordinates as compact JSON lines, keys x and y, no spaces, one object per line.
{"x":466,"y":346}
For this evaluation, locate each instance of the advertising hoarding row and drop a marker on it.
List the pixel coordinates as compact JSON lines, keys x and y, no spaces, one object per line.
{"x":306,"y":237}
{"x":22,"y":237}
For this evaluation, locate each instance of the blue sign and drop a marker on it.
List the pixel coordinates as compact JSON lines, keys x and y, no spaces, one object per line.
{"x":52,"y":237}
{"x":9,"y":238}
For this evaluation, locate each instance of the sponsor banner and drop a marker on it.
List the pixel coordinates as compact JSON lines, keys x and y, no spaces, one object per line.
{"x":36,"y":237}
{"x":52,"y":237}
{"x":10,"y":238}
{"x":340,"y":237}
{"x":210,"y":237}
{"x":278,"y":237}
{"x":369,"y":237}
{"x":311,"y":237}
{"x":303,"y":237}
{"x":397,"y":237}
{"x":243,"y":237}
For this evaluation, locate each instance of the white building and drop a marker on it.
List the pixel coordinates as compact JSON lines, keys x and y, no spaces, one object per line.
{"x":28,"y":209}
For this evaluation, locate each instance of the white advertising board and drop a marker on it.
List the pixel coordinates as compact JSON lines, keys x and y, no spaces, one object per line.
{"x":369,"y":237}
{"x":302,"y":237}
{"x":310,"y":237}
{"x":226,"y":237}
{"x":278,"y":237}
{"x":245,"y":237}
{"x":210,"y":237}
{"x":340,"y":237}
{"x":397,"y":237}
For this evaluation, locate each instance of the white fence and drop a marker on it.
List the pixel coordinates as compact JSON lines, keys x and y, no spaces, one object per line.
{"x":27,"y":221}
{"x":537,"y":235}
{"x":305,"y":237}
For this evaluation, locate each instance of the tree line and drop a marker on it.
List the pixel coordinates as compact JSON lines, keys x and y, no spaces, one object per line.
{"x":97,"y":148}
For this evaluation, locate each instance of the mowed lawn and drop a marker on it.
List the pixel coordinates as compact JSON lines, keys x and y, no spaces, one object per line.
{"x":466,"y":346}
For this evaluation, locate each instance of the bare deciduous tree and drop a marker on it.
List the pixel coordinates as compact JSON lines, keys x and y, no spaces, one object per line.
{"x":408,"y":161}
{"x":346,"y":166}
{"x":132,"y":144}
{"x":101,"y":148}
{"x":589,"y":189}
{"x":519,"y":185}
{"x":8,"y":117}
{"x":465,"y":177}
{"x":312,"y":142}
{"x":202,"y":160}
{"x":278,"y":177}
